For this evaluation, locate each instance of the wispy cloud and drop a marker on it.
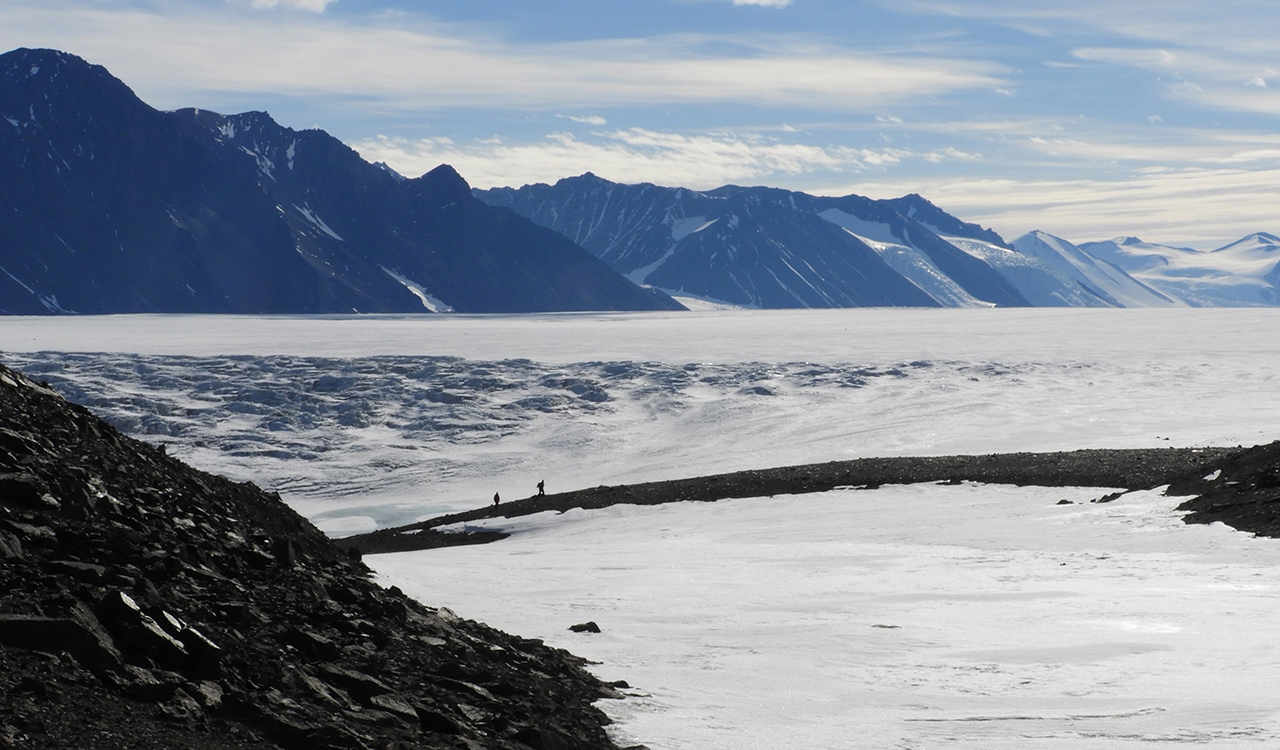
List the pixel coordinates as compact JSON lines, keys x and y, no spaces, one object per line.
{"x":1208,"y":54}
{"x":585,"y":119}
{"x":637,"y":155}
{"x":315,"y":6}
{"x":407,"y":63}
{"x":1202,"y":208}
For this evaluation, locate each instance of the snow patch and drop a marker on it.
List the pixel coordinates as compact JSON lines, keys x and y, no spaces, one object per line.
{"x":434,"y":304}
{"x":861,"y":228}
{"x":265,"y":165}
{"x":292,"y":150}
{"x":311,"y":216}
{"x":702,"y":304}
{"x":681,"y":228}
{"x":50,"y":302}
{"x":639,"y":275}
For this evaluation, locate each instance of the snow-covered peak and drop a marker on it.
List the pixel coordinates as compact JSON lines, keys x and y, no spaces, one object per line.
{"x":1105,"y":279}
{"x":1258,"y":242}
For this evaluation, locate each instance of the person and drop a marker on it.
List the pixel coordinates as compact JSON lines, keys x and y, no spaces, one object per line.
{"x":496,"y":499}
{"x":542,"y":490}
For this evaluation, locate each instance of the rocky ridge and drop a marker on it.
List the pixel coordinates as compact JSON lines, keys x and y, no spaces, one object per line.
{"x":145,"y":604}
{"x":1130,"y":469}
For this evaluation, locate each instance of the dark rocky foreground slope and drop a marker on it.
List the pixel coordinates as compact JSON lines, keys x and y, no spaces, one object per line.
{"x":1122,"y":469}
{"x":144,"y":604}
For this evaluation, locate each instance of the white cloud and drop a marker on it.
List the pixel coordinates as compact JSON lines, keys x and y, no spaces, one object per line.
{"x":638,"y":155}
{"x":398,"y":63}
{"x":1203,"y":208}
{"x":315,"y":6}
{"x":585,"y":119}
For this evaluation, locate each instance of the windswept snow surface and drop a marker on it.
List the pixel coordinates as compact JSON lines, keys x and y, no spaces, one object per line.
{"x":909,"y":617}
{"x":974,"y":616}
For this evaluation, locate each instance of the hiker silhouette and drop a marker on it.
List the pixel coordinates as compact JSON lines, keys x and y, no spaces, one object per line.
{"x":541,"y":488}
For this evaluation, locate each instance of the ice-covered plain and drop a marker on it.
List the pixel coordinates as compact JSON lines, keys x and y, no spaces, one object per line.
{"x":904,"y":617}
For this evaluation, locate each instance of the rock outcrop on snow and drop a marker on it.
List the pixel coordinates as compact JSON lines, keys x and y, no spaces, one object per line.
{"x":1131,"y":469}
{"x":145,"y":604}
{"x":1242,"y":491}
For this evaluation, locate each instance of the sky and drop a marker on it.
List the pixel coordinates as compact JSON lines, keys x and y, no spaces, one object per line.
{"x":1087,"y":119}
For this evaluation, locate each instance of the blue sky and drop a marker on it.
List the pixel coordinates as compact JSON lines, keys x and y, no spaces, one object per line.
{"x":1086,"y":119}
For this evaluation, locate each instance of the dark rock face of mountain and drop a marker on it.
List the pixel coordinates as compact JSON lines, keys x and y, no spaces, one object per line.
{"x":144,"y":604}
{"x":760,"y":246}
{"x":111,"y":206}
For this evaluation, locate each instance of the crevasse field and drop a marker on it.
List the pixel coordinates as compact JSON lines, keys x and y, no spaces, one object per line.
{"x":904,"y":617}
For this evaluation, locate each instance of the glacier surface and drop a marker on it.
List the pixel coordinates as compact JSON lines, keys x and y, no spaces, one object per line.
{"x":972,"y":616}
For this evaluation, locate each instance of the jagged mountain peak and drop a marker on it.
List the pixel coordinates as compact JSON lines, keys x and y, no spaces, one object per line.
{"x":40,"y":88}
{"x":917,"y":207}
{"x":441,"y":186}
{"x":47,"y":63}
{"x":578,"y":181}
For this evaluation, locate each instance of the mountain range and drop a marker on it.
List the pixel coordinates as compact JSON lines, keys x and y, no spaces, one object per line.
{"x":764,"y":247}
{"x":112,"y":206}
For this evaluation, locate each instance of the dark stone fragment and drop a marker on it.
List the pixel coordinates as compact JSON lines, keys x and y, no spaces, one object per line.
{"x":21,"y":489}
{"x":434,"y":721}
{"x":285,"y":552}
{"x":10,"y":546}
{"x":209,"y":694}
{"x":146,"y":684}
{"x":138,"y":632}
{"x":345,"y":594}
{"x":181,"y":709}
{"x":360,"y":685}
{"x":543,"y":739}
{"x":87,"y":572}
{"x":205,"y":656}
{"x":53,"y":635}
{"x":585,"y":627}
{"x":311,"y":644}
{"x":394,"y":705}
{"x":333,"y":738}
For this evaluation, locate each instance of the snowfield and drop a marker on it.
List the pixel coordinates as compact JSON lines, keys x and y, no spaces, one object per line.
{"x":970,"y":616}
{"x":909,"y":616}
